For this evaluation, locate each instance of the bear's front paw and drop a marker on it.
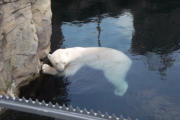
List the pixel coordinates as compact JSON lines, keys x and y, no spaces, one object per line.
{"x":45,"y":68}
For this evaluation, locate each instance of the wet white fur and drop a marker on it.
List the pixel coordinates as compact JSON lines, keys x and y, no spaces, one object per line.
{"x":113,"y":63}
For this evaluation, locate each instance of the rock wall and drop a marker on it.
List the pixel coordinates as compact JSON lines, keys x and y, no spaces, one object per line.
{"x":25,"y":31}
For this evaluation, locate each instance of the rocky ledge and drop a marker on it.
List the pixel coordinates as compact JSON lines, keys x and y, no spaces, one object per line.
{"x":25,"y":31}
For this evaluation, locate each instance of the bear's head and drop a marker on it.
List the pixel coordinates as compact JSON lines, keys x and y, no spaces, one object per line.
{"x":58,"y":60}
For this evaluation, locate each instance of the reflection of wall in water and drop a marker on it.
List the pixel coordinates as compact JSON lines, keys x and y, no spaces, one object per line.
{"x":157,"y":33}
{"x":82,"y":10}
{"x":161,"y":63}
{"x":148,"y":36}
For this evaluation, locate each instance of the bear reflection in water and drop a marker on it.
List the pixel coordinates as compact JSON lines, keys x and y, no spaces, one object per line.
{"x":113,"y":63}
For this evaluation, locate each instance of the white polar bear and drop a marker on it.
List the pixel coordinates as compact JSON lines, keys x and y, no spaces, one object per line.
{"x":113,"y":63}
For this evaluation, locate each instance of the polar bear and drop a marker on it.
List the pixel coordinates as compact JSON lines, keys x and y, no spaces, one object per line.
{"x":113,"y":63}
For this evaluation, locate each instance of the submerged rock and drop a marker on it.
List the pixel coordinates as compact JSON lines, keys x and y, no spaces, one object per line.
{"x":25,"y":30}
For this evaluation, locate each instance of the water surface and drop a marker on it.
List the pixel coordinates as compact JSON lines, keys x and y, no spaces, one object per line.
{"x":150,"y":38}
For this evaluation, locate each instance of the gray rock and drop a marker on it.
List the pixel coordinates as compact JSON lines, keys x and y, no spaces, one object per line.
{"x":25,"y":30}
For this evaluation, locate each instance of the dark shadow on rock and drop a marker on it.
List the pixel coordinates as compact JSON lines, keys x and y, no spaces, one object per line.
{"x":48,"y":88}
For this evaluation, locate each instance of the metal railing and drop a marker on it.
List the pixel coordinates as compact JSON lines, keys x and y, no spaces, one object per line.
{"x":53,"y":110}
